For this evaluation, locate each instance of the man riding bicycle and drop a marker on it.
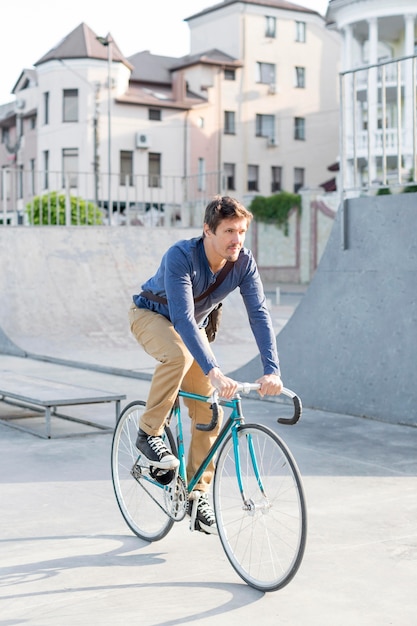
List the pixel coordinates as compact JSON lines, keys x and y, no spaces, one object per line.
{"x":168,"y":318}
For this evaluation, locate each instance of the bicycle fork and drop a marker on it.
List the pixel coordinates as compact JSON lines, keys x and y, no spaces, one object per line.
{"x":248,"y":503}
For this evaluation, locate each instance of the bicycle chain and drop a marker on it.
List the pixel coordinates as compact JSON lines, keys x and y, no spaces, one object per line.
{"x":175,"y":512}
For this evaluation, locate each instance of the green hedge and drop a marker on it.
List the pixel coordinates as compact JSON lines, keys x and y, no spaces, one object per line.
{"x":49,"y":209}
{"x":275,"y":209}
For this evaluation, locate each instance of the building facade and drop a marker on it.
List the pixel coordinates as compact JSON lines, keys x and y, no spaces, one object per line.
{"x":253,"y":109}
{"x":378,"y":86}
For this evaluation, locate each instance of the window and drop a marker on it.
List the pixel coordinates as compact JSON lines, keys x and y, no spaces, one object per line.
{"x":229,"y":172}
{"x":299,"y":128}
{"x":126,"y":167}
{"x":253,"y":177}
{"x":155,"y":115}
{"x":154,"y":169}
{"x":229,"y":74}
{"x":32,"y":177}
{"x":46,"y":169}
{"x":265,"y":73}
{"x":2,"y":181}
{"x":70,"y":167}
{"x":298,"y":178}
{"x":19,"y":126}
{"x":300,"y":77}
{"x":300,"y":32}
{"x":201,"y":178}
{"x":20,"y":182}
{"x":46,"y":107}
{"x":70,"y":105}
{"x":265,"y":126}
{"x":270,"y":26}
{"x":32,"y":122}
{"x":229,"y":123}
{"x":276,"y":179}
{"x":4,"y":135}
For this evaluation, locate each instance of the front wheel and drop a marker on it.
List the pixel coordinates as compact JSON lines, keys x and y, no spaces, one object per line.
{"x":142,"y":500}
{"x":260,"y":507}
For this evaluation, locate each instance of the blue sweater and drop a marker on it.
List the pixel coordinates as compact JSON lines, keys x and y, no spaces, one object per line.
{"x":184,"y":273}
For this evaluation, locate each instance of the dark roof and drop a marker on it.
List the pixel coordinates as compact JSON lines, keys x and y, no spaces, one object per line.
{"x":329,"y":185}
{"x":7,"y":113}
{"x":210,"y":57}
{"x":160,"y":96}
{"x":82,"y":43}
{"x":276,"y":4}
{"x":152,"y":68}
{"x":26,"y":75}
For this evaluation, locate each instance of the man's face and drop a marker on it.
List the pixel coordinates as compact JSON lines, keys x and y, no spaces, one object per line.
{"x":229,"y":237}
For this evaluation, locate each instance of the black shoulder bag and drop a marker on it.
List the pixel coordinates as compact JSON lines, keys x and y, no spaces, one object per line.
{"x":215,"y":314}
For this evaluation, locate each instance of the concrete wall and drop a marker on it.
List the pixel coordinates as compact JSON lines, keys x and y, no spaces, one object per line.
{"x":66,"y":291}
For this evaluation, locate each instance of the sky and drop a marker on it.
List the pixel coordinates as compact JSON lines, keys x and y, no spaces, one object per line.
{"x":33,"y":27}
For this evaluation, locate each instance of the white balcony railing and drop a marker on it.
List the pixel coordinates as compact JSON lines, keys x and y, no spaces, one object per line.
{"x":383,"y":98}
{"x":29,"y":198}
{"x":381,"y":141}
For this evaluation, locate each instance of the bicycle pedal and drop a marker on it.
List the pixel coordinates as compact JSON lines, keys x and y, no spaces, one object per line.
{"x":162,"y":476}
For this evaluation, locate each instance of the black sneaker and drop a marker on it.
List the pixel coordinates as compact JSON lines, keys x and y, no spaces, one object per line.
{"x":202,"y":515}
{"x":154,"y":449}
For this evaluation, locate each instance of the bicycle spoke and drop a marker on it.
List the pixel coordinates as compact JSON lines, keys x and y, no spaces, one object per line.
{"x":263,"y":529}
{"x":144,"y":509}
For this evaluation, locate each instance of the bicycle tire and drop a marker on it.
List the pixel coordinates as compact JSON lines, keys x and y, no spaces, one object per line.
{"x":141,"y":502}
{"x":264,"y":544}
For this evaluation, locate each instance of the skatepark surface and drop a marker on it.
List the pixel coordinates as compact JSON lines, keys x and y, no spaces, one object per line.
{"x":67,"y":556}
{"x":69,"y":559}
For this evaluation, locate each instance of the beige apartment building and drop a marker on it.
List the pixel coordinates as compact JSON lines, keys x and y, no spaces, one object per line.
{"x":252,"y":109}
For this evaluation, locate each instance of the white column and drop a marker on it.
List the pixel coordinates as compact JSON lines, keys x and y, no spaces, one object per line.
{"x":408,"y":92}
{"x":372,"y":96}
{"x":348,"y":108}
{"x":347,"y":47}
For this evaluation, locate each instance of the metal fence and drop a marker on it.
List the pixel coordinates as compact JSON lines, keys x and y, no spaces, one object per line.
{"x":78,"y":198}
{"x":378,"y":127}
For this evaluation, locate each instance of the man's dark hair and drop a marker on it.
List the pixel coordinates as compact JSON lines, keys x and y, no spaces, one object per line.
{"x":224,"y":208}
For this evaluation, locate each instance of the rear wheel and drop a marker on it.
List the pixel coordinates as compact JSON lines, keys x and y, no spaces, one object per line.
{"x":144,"y":501}
{"x":263,"y":528}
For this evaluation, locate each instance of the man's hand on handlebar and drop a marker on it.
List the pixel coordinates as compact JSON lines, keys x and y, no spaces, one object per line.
{"x":271,"y":385}
{"x":226,"y":387}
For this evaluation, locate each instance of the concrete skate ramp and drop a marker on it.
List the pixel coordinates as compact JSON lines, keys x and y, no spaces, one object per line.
{"x":65,"y":293}
{"x":351,"y":344}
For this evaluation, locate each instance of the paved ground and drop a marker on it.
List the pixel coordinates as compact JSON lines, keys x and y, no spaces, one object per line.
{"x":68,"y":557}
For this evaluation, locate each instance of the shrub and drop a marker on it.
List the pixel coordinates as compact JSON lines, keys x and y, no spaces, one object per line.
{"x":275,"y":209}
{"x":410,"y":188}
{"x":49,"y":209}
{"x":383,"y":191}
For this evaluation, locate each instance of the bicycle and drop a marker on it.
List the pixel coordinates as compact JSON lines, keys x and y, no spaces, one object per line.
{"x":258,"y":497}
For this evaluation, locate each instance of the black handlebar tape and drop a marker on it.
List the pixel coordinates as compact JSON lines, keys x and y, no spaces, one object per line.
{"x":214,"y":420}
{"x":298,"y":409}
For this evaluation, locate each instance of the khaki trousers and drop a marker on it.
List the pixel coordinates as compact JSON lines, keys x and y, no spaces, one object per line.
{"x":176,"y":369}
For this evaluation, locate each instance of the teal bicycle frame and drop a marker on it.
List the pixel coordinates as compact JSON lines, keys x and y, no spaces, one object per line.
{"x":232,"y":424}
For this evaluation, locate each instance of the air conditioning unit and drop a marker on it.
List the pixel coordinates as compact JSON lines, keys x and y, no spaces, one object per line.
{"x":272,"y":89}
{"x":142,"y":140}
{"x":272,"y":142}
